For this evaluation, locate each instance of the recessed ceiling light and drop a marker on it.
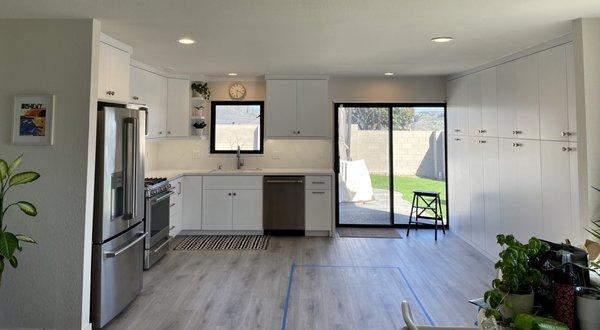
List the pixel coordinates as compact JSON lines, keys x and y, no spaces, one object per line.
{"x":233,"y":74}
{"x":442,"y":39}
{"x":389,"y":73}
{"x":186,"y":41}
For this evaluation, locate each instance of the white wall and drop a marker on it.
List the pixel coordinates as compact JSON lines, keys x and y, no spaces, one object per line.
{"x":177,"y":154}
{"x":586,"y":36}
{"x":50,"y":288}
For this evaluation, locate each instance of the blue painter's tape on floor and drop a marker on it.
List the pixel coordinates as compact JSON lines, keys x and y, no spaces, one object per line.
{"x":291,"y":279}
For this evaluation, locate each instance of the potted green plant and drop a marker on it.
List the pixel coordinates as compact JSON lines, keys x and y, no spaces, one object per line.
{"x":588,"y":299}
{"x":512,"y":292}
{"x":200,"y":89}
{"x":10,"y":243}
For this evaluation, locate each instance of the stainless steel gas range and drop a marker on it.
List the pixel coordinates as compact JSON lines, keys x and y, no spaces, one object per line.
{"x":156,"y":222}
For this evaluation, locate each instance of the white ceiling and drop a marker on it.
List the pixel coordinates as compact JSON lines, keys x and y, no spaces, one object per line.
{"x":335,"y":37}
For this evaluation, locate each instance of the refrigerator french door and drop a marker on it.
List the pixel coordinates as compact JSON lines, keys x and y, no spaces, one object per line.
{"x":118,"y":231}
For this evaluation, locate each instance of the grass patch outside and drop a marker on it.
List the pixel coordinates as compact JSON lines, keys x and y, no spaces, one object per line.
{"x":406,"y":184}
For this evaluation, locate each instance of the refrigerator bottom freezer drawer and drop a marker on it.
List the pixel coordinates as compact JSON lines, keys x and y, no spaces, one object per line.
{"x":117,"y":268}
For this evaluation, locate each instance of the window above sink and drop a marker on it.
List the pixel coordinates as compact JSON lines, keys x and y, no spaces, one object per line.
{"x":237,"y":124}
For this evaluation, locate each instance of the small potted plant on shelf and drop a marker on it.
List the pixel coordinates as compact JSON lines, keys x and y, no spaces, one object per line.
{"x":10,"y":243}
{"x":512,"y":292}
{"x":200,"y":89}
{"x":588,"y":299}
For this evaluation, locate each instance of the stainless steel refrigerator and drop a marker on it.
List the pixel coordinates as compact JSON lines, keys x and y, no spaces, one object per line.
{"x":118,"y":231}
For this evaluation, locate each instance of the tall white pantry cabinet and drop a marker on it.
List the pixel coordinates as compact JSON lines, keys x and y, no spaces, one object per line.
{"x":512,"y":151}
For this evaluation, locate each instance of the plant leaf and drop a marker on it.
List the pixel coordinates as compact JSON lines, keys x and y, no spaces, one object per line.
{"x":13,"y":166}
{"x":13,"y":261}
{"x":3,"y":169}
{"x":27,"y":208}
{"x":23,"y":177}
{"x":25,"y":238}
{"x":8,"y":244}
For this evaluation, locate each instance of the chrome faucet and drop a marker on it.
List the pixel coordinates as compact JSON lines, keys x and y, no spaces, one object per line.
{"x":240,"y":161}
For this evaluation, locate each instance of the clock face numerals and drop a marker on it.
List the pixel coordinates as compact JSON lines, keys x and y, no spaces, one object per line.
{"x":237,"y":91}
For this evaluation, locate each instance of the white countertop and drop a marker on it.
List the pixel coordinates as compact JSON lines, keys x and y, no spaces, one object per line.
{"x":173,"y":173}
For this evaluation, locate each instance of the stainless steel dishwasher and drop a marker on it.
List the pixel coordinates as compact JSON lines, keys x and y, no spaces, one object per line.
{"x":283,"y":205}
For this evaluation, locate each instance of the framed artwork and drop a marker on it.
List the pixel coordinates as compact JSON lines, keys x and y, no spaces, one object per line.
{"x":33,"y":120}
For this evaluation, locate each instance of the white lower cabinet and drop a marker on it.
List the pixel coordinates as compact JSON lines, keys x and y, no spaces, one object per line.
{"x":476,"y":187}
{"x":491,"y":195}
{"x":317,"y":210}
{"x":520,"y":187}
{"x":192,"y":203}
{"x":459,"y":181}
{"x":176,"y":207}
{"x":556,"y":189}
{"x":218,"y":209}
{"x":247,"y":210}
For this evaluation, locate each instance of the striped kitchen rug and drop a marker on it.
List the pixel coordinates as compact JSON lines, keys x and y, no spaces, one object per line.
{"x":224,"y":242}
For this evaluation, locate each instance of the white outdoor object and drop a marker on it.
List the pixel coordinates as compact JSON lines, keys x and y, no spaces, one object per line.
{"x":410,"y":323}
{"x":355,"y":181}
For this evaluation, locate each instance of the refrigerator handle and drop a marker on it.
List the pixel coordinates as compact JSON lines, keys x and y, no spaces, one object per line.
{"x":129,"y":168}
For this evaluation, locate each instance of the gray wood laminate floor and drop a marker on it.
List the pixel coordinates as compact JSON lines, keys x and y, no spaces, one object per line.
{"x":337,"y":283}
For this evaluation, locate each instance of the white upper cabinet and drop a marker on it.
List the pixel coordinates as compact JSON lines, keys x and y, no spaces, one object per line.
{"x":554,"y":117}
{"x":113,"y":74}
{"x":167,"y":99}
{"x":571,"y":92}
{"x":312,"y":115}
{"x":489,"y":103}
{"x":297,"y":108}
{"x":280,"y":112}
{"x":474,"y":104}
{"x":507,"y":116}
{"x":178,"y":107}
{"x":458,"y":106}
{"x":526,"y":94}
{"x":452,"y":105}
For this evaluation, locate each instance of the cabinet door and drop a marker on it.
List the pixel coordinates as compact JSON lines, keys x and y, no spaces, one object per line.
{"x":474,"y":104}
{"x":453,"y":183}
{"x":452,"y":108}
{"x":217,"y":209}
{"x":192,"y":203}
{"x":507,"y":116}
{"x":137,"y":85}
{"x":459,"y":199}
{"x":157,"y":108}
{"x":176,"y":207}
{"x":556,"y":189}
{"x":526,"y":87}
{"x":312,"y":112}
{"x":572,"y":111}
{"x":247,"y":210}
{"x":554,"y":118}
{"x":463,"y":108}
{"x":280,"y":112}
{"x":491,"y":199}
{"x":476,"y":187}
{"x":489,"y":103}
{"x":104,"y":71}
{"x":508,"y":176}
{"x":119,"y":75}
{"x":520,"y":187}
{"x":574,"y":174}
{"x":178,"y":107}
{"x":317,"y":210}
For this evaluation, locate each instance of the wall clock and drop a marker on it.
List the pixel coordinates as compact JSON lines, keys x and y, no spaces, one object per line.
{"x":237,"y":91}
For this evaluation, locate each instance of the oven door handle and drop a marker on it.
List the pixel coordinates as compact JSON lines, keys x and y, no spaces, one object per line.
{"x":163,"y":244}
{"x":165,"y":196}
{"x":112,"y":254}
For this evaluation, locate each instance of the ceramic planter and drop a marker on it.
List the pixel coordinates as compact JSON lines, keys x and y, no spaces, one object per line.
{"x":516,"y":304}
{"x":588,"y":311}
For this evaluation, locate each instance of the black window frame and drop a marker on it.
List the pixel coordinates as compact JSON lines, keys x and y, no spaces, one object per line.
{"x":213,"y":108}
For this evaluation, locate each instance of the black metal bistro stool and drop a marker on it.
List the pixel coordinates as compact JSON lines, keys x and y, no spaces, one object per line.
{"x":430,"y":200}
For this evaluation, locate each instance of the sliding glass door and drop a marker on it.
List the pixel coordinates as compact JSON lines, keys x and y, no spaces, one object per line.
{"x":384,"y":152}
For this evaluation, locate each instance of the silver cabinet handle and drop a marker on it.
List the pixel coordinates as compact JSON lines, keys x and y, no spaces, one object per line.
{"x":482,"y":141}
{"x":456,"y":130}
{"x":112,"y":254}
{"x":160,"y":132}
{"x":318,"y":182}
{"x":517,"y":144}
{"x":169,"y":132}
{"x":457,"y":139}
{"x":567,"y":149}
{"x":179,"y":184}
{"x":135,"y":98}
{"x":482,"y":131}
{"x":566,"y":133}
{"x":517,"y":132}
{"x":284,"y":181}
{"x":318,"y":192}
{"x":107,"y":92}
{"x":172,"y":205}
